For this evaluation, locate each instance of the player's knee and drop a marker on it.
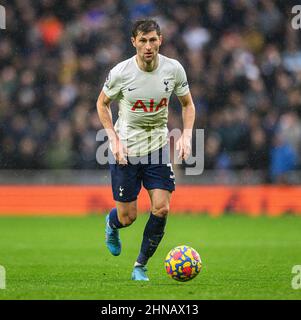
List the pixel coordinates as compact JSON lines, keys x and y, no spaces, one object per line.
{"x":161,"y":211}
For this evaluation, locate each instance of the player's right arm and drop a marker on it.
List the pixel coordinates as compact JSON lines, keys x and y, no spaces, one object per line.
{"x":105,"y":116}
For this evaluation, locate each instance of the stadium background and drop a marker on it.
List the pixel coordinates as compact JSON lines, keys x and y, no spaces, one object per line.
{"x":243,"y":62}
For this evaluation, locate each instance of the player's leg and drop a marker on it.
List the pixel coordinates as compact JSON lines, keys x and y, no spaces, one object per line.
{"x":122,"y":216}
{"x":153,"y":231}
{"x":159,"y":181}
{"x":154,"y":228}
{"x":126,"y":185}
{"x":127,"y":212}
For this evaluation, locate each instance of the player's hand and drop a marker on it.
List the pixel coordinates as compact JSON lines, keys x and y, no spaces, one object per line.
{"x":184,"y":147}
{"x":119,"y":151}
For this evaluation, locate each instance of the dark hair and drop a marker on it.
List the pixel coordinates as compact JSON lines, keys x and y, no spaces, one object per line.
{"x":145,"y":26}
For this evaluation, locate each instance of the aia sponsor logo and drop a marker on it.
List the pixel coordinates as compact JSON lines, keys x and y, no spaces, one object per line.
{"x":139,"y":104}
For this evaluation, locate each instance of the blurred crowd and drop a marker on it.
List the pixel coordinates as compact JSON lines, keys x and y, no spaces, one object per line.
{"x":242,"y":58}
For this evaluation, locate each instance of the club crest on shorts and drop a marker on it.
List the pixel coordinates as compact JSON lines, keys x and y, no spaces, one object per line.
{"x":121,"y":191}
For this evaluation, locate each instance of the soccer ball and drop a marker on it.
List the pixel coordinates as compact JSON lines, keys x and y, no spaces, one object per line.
{"x":183,"y":263}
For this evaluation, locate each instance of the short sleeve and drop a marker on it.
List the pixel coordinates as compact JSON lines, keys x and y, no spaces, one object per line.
{"x":181,"y":86}
{"x":112,"y":85}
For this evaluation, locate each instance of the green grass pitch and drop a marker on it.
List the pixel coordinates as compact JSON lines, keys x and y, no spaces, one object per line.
{"x":66,"y":258}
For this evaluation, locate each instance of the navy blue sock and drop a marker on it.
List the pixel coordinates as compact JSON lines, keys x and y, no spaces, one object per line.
{"x":153,"y":234}
{"x":113,"y":220}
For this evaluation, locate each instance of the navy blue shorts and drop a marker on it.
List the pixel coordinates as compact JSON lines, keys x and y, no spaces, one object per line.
{"x":154,"y":171}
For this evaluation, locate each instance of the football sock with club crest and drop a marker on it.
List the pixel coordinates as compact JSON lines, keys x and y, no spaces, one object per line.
{"x":114,"y":223}
{"x":153,"y":234}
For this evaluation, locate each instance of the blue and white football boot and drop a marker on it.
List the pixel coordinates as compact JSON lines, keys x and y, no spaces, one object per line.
{"x":112,"y":239}
{"x":139,"y":273}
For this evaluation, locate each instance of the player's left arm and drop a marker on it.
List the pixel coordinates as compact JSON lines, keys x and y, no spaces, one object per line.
{"x":188,"y":115}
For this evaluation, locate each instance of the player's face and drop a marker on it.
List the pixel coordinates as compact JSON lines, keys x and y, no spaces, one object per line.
{"x":147,"y":45}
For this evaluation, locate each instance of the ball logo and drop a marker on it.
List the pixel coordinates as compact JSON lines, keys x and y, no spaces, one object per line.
{"x":2,"y":18}
{"x":2,"y":277}
{"x":296,"y":21}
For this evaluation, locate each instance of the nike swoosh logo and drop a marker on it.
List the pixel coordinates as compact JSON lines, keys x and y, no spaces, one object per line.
{"x":131,"y":89}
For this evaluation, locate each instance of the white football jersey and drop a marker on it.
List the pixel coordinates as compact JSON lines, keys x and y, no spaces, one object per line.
{"x":143,"y":99}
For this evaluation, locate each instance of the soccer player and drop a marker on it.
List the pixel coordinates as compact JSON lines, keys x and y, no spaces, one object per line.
{"x":142,"y":85}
